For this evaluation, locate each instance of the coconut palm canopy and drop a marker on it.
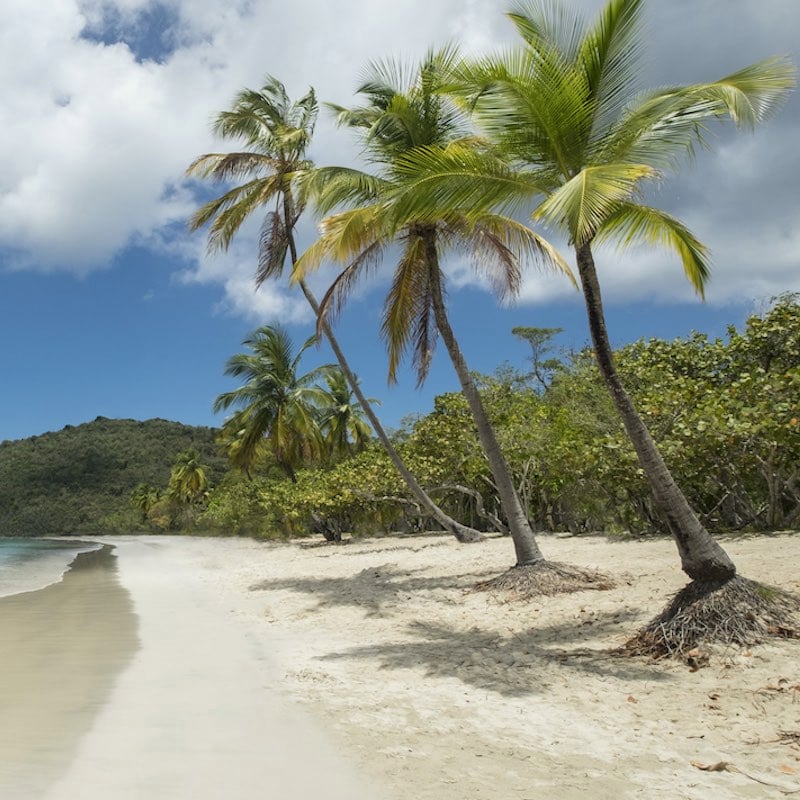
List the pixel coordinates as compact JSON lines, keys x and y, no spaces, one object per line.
{"x":405,"y":118}
{"x":579,"y":133}
{"x":565,"y":113}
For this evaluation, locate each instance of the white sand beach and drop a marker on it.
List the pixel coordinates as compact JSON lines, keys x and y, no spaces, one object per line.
{"x":369,"y":670}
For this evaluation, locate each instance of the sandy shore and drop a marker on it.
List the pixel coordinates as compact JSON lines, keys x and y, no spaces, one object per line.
{"x":370,"y":671}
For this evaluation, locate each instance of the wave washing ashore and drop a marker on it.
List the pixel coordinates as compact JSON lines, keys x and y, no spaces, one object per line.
{"x":30,"y":564}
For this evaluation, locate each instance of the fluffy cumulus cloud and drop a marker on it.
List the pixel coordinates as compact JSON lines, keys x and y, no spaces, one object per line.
{"x":106,"y":102}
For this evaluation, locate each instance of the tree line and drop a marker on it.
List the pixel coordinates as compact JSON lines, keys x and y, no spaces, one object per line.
{"x":725,"y":414}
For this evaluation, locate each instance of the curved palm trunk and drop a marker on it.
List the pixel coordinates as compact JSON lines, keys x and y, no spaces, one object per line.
{"x":525,"y":546}
{"x":702,"y":558}
{"x":462,"y":533}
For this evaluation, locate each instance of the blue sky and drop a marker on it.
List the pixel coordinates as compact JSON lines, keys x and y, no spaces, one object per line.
{"x":109,"y":307}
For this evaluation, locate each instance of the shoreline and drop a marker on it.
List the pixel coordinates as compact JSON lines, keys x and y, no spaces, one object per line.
{"x":373,"y":671}
{"x":49,"y":570}
{"x":63,"y":647}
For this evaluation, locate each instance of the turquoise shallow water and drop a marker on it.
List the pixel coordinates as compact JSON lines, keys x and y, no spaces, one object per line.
{"x":30,"y":564}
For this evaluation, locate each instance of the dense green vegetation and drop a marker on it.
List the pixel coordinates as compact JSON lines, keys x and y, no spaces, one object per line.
{"x":724,"y":413}
{"x":80,"y":479}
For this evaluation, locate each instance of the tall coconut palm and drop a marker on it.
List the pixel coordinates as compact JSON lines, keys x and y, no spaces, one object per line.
{"x":275,"y":402}
{"x":404,"y":113}
{"x":567,"y":110}
{"x":276,"y":134}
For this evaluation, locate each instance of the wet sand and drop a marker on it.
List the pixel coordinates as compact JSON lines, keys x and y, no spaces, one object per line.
{"x":61,"y":650}
{"x":197,"y":714}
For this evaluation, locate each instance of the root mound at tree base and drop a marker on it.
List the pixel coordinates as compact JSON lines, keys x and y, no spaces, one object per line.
{"x":545,"y":578}
{"x":737,"y":612}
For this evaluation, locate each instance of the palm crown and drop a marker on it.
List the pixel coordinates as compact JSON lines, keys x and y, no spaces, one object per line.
{"x":576,"y":132}
{"x":276,"y":133}
{"x":274,"y":401}
{"x":407,"y":114}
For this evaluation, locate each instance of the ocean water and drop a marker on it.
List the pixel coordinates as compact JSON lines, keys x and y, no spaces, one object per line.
{"x":27,"y":565}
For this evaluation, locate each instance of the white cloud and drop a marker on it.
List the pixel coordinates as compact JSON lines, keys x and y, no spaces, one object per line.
{"x":95,"y":141}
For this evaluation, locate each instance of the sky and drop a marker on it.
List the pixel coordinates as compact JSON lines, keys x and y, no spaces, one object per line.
{"x":110,"y":307}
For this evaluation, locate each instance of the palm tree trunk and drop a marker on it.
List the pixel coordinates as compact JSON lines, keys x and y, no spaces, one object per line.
{"x":702,"y":558}
{"x":462,"y":533}
{"x":527,"y":551}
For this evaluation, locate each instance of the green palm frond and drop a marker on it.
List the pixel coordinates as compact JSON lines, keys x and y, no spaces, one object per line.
{"x":537,"y":106}
{"x":223,"y":167}
{"x":582,"y":205}
{"x":633,"y":224}
{"x":228,"y":212}
{"x":331,"y":188}
{"x":546,"y":24}
{"x":662,"y":126}
{"x":459,"y":178}
{"x":407,"y":311}
{"x":351,"y":232}
{"x":609,"y":56}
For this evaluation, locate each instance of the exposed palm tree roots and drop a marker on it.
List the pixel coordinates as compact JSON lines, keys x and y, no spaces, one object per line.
{"x":737,"y":612}
{"x":545,"y":578}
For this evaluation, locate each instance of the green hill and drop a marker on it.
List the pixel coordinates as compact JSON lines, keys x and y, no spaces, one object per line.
{"x":79,"y":479}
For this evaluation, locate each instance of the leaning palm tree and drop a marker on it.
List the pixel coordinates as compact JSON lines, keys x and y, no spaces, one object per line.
{"x":276,"y":134}
{"x":275,"y":403}
{"x":566,"y":111}
{"x":404,"y":113}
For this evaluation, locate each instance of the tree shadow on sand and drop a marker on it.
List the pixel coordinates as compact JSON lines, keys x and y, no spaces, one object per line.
{"x":514,"y":666}
{"x":374,"y":589}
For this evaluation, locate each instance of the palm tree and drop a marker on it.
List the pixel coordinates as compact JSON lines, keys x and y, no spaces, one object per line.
{"x":275,"y":403}
{"x":188,"y":481}
{"x":341,"y":419}
{"x":276,"y":133}
{"x":144,"y":497}
{"x":404,"y":115}
{"x":564,"y":110}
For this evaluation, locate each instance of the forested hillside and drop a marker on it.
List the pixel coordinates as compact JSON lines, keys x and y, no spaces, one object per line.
{"x":80,"y":479}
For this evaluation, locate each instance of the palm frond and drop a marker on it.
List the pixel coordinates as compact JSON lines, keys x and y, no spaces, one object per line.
{"x":334,"y":299}
{"x":634,"y":224}
{"x":457,"y":178}
{"x":536,"y":105}
{"x":350,"y":232}
{"x":406,"y":311}
{"x":548,"y":24}
{"x":273,"y":244}
{"x":609,"y":55}
{"x":582,"y":204}
{"x":330,"y":188}
{"x":664,"y":125}
{"x":244,"y":198}
{"x":229,"y":212}
{"x":223,"y":167}
{"x":501,"y":247}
